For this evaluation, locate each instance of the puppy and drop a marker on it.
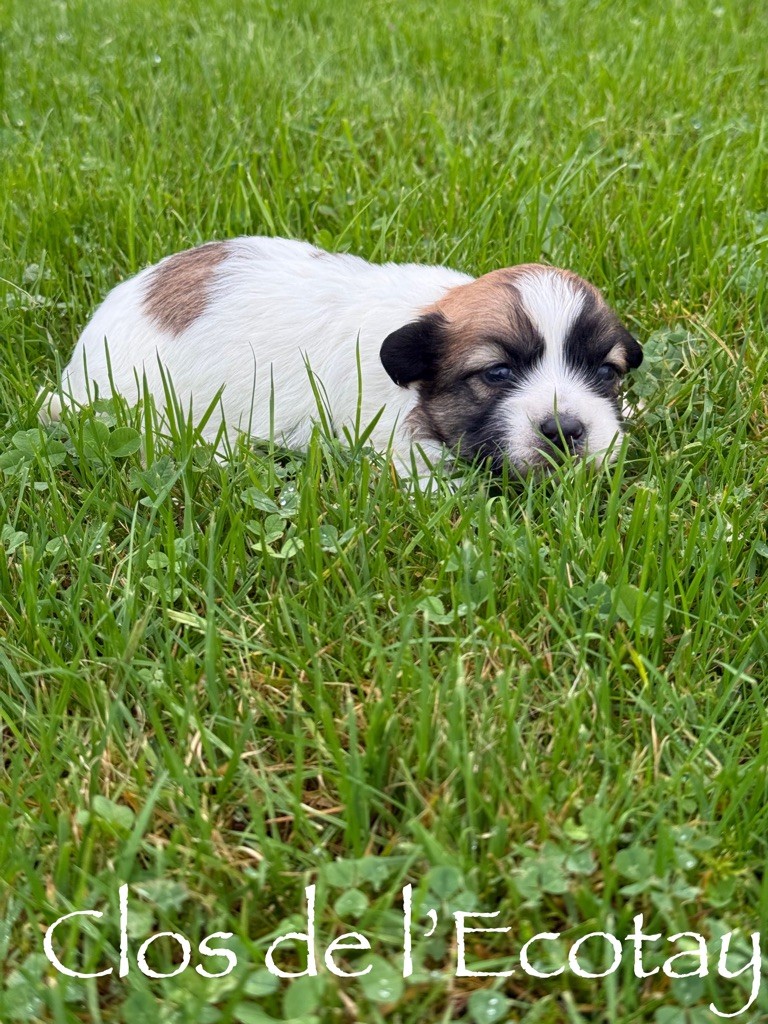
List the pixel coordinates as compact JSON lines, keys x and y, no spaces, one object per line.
{"x":519,"y":365}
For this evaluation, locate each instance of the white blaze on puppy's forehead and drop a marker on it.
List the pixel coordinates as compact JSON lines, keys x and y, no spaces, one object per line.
{"x":553,"y":302}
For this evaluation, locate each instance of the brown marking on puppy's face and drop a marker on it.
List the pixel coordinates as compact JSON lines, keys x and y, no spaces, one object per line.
{"x":178,"y":289}
{"x":495,"y":359}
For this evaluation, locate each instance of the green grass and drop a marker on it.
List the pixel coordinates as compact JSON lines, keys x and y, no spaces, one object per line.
{"x":221,"y":685}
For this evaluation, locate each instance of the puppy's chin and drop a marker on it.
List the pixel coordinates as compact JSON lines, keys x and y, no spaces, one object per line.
{"x":543,"y":461}
{"x":535,"y":460}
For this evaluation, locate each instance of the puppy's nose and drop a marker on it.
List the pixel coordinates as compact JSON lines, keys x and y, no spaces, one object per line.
{"x":562,"y":431}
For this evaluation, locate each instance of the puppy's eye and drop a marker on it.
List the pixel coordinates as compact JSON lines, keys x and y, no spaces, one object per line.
{"x":497,"y":374}
{"x":607,"y":374}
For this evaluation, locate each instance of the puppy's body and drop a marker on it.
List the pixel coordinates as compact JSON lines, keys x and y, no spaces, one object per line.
{"x":250,"y":314}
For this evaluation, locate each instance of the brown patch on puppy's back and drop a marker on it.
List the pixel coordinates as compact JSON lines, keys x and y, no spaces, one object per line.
{"x":179,"y":286}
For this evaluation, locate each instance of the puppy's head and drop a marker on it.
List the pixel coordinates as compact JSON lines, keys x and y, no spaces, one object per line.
{"x":520,"y":365}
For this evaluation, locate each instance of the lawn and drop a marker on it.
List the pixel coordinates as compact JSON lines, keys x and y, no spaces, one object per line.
{"x":233,"y":687}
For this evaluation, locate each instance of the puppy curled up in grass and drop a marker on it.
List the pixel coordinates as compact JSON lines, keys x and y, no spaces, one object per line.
{"x":519,"y":366}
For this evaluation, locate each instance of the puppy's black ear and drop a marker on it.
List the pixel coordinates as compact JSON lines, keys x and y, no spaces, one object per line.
{"x":633,"y":350}
{"x":410,"y":353}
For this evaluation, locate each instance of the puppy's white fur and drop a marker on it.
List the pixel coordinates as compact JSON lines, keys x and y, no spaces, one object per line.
{"x":553,"y":385}
{"x":274,"y":307}
{"x":265,"y":308}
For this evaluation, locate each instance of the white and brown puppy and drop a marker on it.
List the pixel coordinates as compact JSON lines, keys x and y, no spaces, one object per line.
{"x":517,"y":365}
